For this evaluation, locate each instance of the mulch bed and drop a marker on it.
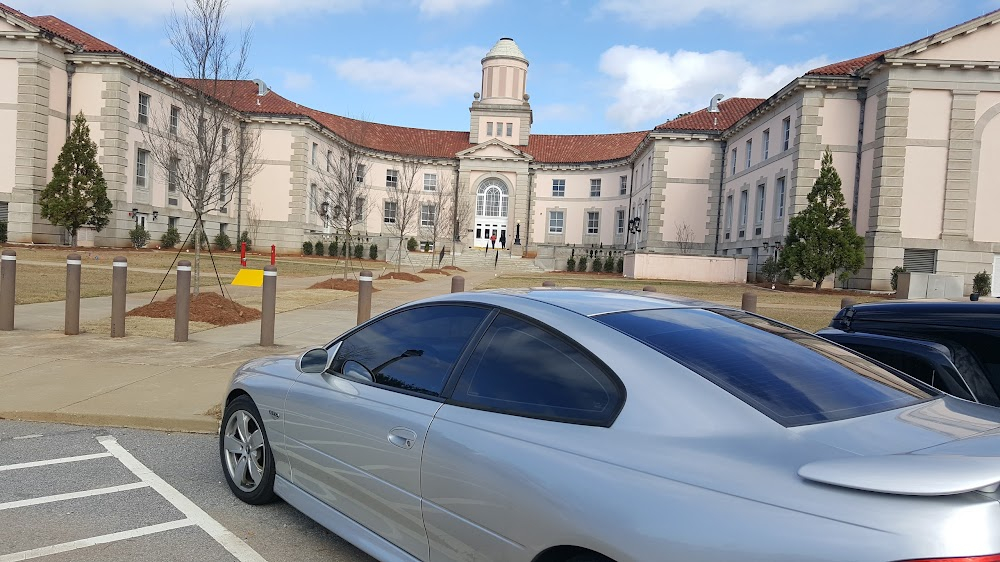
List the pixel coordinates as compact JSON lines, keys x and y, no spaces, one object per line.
{"x":453,"y":268}
{"x":403,"y":275}
{"x":212,"y":308}
{"x":340,"y":285}
{"x":435,"y":271}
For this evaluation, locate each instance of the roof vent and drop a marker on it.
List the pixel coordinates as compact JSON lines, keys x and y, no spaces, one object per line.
{"x":713,"y":106}
{"x":262,"y":88}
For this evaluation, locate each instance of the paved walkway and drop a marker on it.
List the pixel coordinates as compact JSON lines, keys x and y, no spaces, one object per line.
{"x":154,"y":383}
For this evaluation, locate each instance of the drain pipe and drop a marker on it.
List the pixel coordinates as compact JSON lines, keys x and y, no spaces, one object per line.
{"x":718,"y":210}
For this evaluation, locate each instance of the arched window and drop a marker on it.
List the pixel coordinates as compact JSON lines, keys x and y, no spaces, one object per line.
{"x":491,"y":199}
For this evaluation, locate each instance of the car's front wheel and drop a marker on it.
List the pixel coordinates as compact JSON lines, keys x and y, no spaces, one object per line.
{"x":246,"y":454}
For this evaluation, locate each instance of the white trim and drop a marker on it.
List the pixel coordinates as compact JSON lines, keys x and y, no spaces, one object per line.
{"x":74,"y":262}
{"x":120,"y":264}
{"x":53,"y":461}
{"x":183,"y":268}
{"x":103,"y":539}
{"x":270,"y":274}
{"x":8,"y":258}
{"x":365,"y":278}
{"x":72,"y":495}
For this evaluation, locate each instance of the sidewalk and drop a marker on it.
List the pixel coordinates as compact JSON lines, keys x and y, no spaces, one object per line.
{"x":92,"y":379}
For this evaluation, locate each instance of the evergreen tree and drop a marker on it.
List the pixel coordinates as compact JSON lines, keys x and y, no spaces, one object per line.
{"x":77,"y":194}
{"x":821,"y":239}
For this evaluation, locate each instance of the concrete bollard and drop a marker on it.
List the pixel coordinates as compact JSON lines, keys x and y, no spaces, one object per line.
{"x":267,"y":306}
{"x":182,"y":313}
{"x":73,"y":266}
{"x":457,"y":284}
{"x":846,"y":302}
{"x":548,"y":284}
{"x":119,"y":284}
{"x":8,"y":282}
{"x":364,"y":296}
{"x":749,"y":302}
{"x":649,"y":289}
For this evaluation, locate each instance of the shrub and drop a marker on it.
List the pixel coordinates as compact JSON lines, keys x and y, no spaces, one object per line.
{"x":411,"y":244}
{"x":609,"y":265}
{"x":582,"y":264}
{"x":334,"y":246}
{"x":621,"y":265}
{"x":204,"y":242}
{"x":427,"y":246}
{"x":571,"y":264}
{"x":245,"y":239}
{"x":222,"y":241}
{"x":170,"y":238}
{"x":373,"y":252}
{"x":982,"y":283}
{"x":771,"y":269}
{"x":359,"y":251}
{"x":307,"y":248}
{"x":139,"y":236}
{"x":895,"y":276}
{"x":343,"y":250}
{"x":3,"y":231}
{"x":598,"y":265}
{"x":319,"y":248}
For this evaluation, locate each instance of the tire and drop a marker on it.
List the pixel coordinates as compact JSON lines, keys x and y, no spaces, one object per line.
{"x":248,"y":462}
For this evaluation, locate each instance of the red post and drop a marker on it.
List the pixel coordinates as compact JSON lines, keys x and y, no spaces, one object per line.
{"x":243,"y":254}
{"x":273,"y":254}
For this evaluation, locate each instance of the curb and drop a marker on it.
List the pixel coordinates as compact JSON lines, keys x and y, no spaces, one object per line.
{"x":192,"y":424}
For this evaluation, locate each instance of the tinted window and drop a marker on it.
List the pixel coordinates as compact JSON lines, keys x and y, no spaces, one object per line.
{"x":412,"y":350}
{"x":793,"y":377}
{"x":521,"y":369}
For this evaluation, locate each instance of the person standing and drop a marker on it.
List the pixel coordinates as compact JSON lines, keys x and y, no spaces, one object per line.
{"x":503,"y":239}
{"x":493,"y":240}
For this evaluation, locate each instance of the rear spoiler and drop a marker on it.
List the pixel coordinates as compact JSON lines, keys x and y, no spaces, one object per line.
{"x":909,"y":474}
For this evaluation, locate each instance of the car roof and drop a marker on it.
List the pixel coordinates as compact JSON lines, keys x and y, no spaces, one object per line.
{"x":954,"y":313}
{"x":591,"y":302}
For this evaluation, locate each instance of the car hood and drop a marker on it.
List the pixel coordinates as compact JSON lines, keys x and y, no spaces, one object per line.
{"x":282,"y":366}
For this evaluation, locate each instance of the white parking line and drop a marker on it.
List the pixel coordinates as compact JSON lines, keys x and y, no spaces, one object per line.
{"x":53,"y":461}
{"x":72,"y":495}
{"x":103,"y":539}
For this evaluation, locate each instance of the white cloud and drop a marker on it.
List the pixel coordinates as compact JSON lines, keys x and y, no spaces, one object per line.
{"x":297,"y":80}
{"x":155,"y":10}
{"x":423,"y":77}
{"x":448,"y":7}
{"x":651,"y":87}
{"x":760,"y":13}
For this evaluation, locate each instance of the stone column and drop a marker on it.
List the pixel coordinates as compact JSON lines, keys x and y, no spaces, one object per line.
{"x":31,"y":150}
{"x":808,"y":150}
{"x":114,"y":154}
{"x":957,"y":192}
{"x":656,"y":230}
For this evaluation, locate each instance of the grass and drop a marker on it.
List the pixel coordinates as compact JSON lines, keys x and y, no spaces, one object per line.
{"x":40,"y":283}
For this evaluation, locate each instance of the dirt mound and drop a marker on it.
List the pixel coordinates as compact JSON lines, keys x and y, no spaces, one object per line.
{"x":453,"y":268}
{"x":402,"y":275}
{"x":435,"y":271}
{"x":211,"y":308}
{"x":340,"y":285}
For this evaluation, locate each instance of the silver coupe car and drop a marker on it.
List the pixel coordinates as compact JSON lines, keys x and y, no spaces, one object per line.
{"x":553,"y":425}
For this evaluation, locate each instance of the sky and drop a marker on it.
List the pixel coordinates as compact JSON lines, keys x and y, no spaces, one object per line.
{"x":596,"y":66}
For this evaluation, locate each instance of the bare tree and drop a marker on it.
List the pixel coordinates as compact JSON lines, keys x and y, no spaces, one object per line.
{"x":343,"y":198}
{"x":405,"y":199}
{"x":685,"y":236}
{"x":439,"y":201}
{"x":207,"y":149}
{"x":253,"y":222}
{"x":456,"y":212}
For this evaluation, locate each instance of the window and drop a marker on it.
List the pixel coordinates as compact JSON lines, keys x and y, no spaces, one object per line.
{"x":767,"y":142}
{"x":786,"y":133}
{"x":329,"y":160}
{"x":749,"y":152}
{"x":593,"y":222}
{"x":428,"y":214}
{"x":175,"y":119}
{"x":430,"y":182}
{"x":510,"y":129}
{"x":359,"y":209}
{"x":223,"y":190}
{"x":760,"y":204}
{"x":729,"y":214}
{"x":391,"y":178}
{"x":222,"y":228}
{"x":556,"y":222}
{"x":172,"y":222}
{"x":559,"y":188}
{"x":522,"y":370}
{"x":141,"y":172}
{"x":359,"y":173}
{"x":413,"y":350}
{"x":172,"y":171}
{"x":313,"y":194}
{"x":622,"y":185}
{"x":225,"y":140}
{"x":595,"y":187}
{"x":734,"y":162}
{"x":489,"y":128}
{"x":791,"y":376}
{"x":143,"y":108}
{"x":620,"y":221}
{"x":389,"y":212}
{"x":780,"y":196}
{"x":743,"y":209}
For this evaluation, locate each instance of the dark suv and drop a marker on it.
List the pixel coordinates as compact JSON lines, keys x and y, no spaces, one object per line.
{"x":954,"y":346}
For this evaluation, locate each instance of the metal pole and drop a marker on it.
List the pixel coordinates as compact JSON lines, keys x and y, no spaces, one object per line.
{"x":182,"y":313}
{"x":749,"y":302}
{"x":364,"y":296}
{"x":273,"y":254}
{"x":8,"y":276}
{"x":267,"y":307}
{"x":73,"y":266}
{"x":457,"y":284}
{"x":119,"y":282}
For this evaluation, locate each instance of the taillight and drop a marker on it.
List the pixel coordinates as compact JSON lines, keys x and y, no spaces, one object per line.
{"x":988,"y":558}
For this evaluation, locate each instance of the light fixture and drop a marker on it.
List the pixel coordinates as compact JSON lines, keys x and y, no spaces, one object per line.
{"x":155,"y":214}
{"x":135,"y":211}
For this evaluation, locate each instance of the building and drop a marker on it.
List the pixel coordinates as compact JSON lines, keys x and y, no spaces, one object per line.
{"x":910,"y":129}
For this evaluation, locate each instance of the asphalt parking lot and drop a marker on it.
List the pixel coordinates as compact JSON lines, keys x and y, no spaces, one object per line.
{"x":86,"y":494}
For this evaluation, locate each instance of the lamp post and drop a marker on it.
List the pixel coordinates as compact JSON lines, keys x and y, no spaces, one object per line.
{"x":634,"y":228}
{"x":517,"y":234}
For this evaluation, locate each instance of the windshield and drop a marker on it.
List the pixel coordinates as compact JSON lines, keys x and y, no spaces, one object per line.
{"x":791,"y":376}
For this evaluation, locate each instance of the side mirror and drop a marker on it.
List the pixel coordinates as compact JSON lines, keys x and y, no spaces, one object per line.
{"x":313,"y":361}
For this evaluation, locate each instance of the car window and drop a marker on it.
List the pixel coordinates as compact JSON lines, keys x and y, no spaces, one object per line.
{"x":521,"y":369}
{"x":793,"y":377}
{"x":413,"y":350}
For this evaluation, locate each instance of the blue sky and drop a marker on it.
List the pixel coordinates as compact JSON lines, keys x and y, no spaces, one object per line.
{"x":596,"y":66}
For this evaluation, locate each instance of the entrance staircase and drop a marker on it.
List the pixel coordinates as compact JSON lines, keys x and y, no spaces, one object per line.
{"x":477,"y":259}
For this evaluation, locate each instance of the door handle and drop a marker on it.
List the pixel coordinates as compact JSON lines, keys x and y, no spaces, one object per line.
{"x":402,"y":437}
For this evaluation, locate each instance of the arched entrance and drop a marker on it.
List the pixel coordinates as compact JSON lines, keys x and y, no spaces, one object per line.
{"x":491,"y":212}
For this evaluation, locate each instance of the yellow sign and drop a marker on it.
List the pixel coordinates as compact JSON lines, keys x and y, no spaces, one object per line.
{"x":249,"y":278}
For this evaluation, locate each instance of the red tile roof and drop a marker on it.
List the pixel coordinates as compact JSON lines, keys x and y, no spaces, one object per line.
{"x":86,"y":41}
{"x":557,"y":149}
{"x":730,"y":111}
{"x":847,"y":67}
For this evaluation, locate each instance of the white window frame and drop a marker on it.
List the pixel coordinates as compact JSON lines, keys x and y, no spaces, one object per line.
{"x":391,"y":178}
{"x":559,"y":188}
{"x":359,"y":208}
{"x":623,"y":185}
{"x":767,"y":143}
{"x":223,"y":182}
{"x":359,"y":173}
{"x":749,"y":153}
{"x":620,"y":220}
{"x":761,"y":199}
{"x":557,"y":217}
{"x":142,"y":168}
{"x":315,"y":151}
{"x":593,"y":222}
{"x":734,"y":161}
{"x":786,"y":133}
{"x":489,"y":128}
{"x":595,"y":183}
{"x":510,"y":129}
{"x":430,"y":182}
{"x":175,"y":118}
{"x":729,"y":213}
{"x":225,"y":140}
{"x":144,"y":102}
{"x":329,"y":160}
{"x":389,"y":210}
{"x":172,"y":175}
{"x":428,"y":214}
{"x":744,"y":208}
{"x":779,"y":193}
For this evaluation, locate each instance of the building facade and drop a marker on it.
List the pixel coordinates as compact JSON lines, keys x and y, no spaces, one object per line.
{"x":911,"y":130}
